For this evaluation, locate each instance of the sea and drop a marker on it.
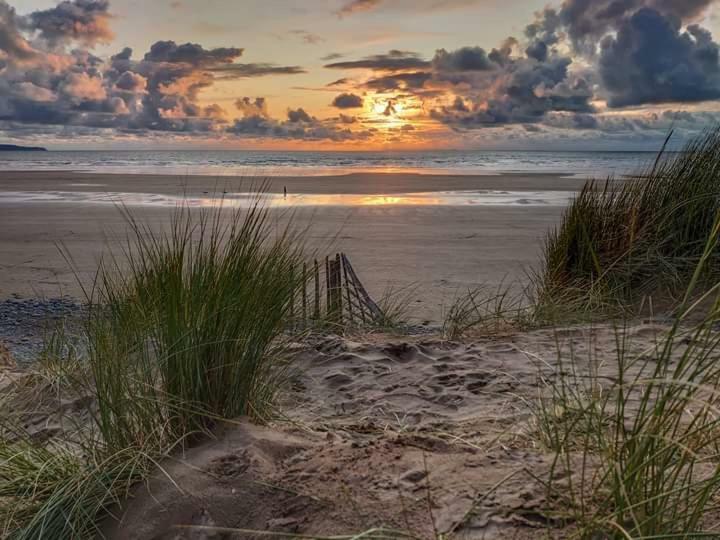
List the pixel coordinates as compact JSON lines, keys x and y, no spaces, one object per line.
{"x":276,"y":163}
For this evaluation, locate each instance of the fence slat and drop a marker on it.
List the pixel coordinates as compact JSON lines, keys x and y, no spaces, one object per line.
{"x":316,"y":314}
{"x":345,"y":298}
{"x":304,"y":296}
{"x":375,"y":311}
{"x":348,"y":301}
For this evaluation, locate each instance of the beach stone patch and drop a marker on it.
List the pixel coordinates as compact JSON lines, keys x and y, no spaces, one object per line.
{"x":26,"y":322}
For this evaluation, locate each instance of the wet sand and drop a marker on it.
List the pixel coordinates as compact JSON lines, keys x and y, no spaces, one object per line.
{"x":356,"y":183}
{"x":440,"y":250}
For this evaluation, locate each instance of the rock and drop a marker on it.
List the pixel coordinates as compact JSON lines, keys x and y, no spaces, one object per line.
{"x":414,"y":477}
{"x":6,"y":359}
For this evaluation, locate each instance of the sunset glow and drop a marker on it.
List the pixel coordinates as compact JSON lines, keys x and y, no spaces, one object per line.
{"x":336,"y":75}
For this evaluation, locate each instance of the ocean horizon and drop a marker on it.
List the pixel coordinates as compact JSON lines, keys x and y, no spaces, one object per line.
{"x":326,"y":163}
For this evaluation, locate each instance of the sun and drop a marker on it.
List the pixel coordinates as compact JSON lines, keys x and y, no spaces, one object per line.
{"x":388,"y":111}
{"x":388,"y":107}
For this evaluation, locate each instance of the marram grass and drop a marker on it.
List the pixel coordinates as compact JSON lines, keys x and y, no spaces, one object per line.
{"x":638,"y":448}
{"x":187,"y":323}
{"x":185,"y":328}
{"x":619,"y":242}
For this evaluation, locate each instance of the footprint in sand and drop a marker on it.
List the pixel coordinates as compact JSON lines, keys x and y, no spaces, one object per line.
{"x":337,"y":379}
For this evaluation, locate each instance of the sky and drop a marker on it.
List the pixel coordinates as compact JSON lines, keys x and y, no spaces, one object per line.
{"x":357,"y":74}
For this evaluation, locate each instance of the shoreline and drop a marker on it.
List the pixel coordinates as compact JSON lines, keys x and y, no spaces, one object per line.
{"x":350,"y":184}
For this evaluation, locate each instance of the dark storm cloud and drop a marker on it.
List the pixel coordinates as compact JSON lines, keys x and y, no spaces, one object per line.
{"x":132,"y":82}
{"x":586,"y":20}
{"x":85,"y":21}
{"x":652,"y":61}
{"x":348,"y":101}
{"x":191,"y":53}
{"x":394,"y":60}
{"x":637,"y":52}
{"x":463,"y":59}
{"x":640,"y":50}
{"x":524,"y":93}
{"x":299,"y":115}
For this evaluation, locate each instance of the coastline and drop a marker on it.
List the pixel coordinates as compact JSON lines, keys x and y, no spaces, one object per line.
{"x":353,"y":183}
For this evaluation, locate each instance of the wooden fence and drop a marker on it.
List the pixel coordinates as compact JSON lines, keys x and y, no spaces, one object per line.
{"x":332,"y":293}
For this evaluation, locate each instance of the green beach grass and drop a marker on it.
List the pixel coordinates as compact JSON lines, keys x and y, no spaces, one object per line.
{"x":620,"y":243}
{"x":184,"y":328}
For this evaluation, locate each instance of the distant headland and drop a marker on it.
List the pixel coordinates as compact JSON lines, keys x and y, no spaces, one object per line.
{"x":15,"y":148}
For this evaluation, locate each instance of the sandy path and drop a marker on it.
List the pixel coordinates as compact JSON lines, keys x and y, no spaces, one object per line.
{"x":429,"y":437}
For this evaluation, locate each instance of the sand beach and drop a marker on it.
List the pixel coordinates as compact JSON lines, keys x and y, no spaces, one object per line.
{"x":395,"y":238}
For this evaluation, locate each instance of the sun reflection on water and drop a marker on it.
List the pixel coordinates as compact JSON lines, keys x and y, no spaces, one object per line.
{"x":245,"y":200}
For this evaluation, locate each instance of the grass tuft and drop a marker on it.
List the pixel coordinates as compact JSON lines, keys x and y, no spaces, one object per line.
{"x":619,"y":242}
{"x":185,"y":326}
{"x":637,"y":436}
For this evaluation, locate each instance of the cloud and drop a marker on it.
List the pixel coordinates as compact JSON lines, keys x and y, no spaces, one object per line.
{"x":399,"y":81}
{"x":81,"y":87}
{"x":84,"y":21}
{"x":191,"y":53}
{"x":355,"y":6}
{"x":298,"y":116}
{"x":299,"y":125}
{"x":352,"y":7}
{"x":628,"y":52}
{"x":308,"y":37}
{"x":569,"y":59}
{"x":463,"y":59}
{"x":471,"y":88}
{"x":131,"y":82}
{"x":521,"y":90}
{"x":46,"y":80}
{"x":32,"y":92}
{"x":588,"y":20}
{"x":348,"y":101}
{"x":12,"y":43}
{"x":394,"y":60}
{"x":339,"y":82}
{"x":651,"y":60}
{"x":243,"y":71}
{"x":252,"y":107}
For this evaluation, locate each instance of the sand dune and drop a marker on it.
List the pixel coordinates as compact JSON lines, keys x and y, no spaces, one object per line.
{"x":428,"y":436}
